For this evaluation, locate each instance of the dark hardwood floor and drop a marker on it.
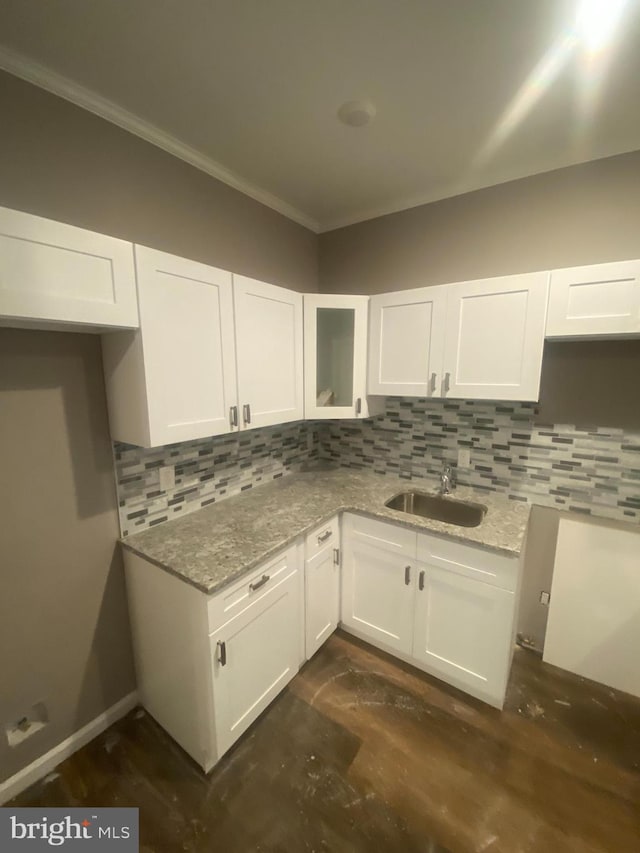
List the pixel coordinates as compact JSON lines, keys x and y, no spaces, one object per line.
{"x":362,"y":753}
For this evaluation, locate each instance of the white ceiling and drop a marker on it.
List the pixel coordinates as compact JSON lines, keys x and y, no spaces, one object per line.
{"x":248,"y":90}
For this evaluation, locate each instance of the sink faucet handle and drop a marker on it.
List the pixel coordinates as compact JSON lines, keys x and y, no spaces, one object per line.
{"x":446,"y":480}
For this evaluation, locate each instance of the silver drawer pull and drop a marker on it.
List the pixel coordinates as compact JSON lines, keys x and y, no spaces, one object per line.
{"x":246,"y":413}
{"x":263,"y":580}
{"x":324,"y":536}
{"x":421,"y":581}
{"x":233,"y":416}
{"x":432,"y":384}
{"x":222,"y":653}
{"x":407,"y":575}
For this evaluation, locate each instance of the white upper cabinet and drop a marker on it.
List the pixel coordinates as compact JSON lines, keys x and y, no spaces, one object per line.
{"x":269,"y":353}
{"x":406,"y":342}
{"x":174,"y":379}
{"x":52,"y":273}
{"x":602,"y":300}
{"x":335,"y":356}
{"x":494,"y":338}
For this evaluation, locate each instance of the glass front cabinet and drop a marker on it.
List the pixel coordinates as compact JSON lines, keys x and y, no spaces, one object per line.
{"x":335,"y":357}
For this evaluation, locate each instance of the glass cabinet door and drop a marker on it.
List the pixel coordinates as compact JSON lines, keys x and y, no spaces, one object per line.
{"x":335,"y":330}
{"x":335,"y":355}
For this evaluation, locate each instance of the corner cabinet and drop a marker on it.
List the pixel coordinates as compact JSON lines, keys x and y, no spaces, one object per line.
{"x":335,"y":357}
{"x":57,"y":275}
{"x":445,"y":607}
{"x":599,"y":301}
{"x":207,"y":666}
{"x":479,"y":340}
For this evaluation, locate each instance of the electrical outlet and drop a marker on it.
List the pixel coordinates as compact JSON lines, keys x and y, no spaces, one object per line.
{"x":464,"y":457}
{"x":545,"y":598}
{"x":35,"y":719}
{"x":167,"y":477}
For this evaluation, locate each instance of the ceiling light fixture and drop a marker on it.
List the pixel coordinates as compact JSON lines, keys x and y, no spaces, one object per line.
{"x":357,"y":113}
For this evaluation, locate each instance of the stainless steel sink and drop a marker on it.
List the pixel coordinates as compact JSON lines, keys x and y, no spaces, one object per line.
{"x":449,"y":510}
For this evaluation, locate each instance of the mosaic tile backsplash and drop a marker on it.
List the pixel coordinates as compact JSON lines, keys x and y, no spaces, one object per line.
{"x":207,"y":470}
{"x":592,"y":471}
{"x":588,"y":470}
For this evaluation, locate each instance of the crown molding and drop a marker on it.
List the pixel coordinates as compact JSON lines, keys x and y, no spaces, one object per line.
{"x":39,"y":75}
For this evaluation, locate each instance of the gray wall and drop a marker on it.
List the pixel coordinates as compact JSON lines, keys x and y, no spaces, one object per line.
{"x":59,"y":161}
{"x":64,"y":629}
{"x":581,"y":215}
{"x":64,"y":632}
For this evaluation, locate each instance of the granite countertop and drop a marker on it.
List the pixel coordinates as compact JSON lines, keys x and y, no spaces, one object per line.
{"x":214,"y":546}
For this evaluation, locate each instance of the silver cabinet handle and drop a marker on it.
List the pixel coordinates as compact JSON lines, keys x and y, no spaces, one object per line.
{"x":336,"y":556}
{"x":246,"y":413}
{"x":432,"y":384}
{"x":263,"y":580}
{"x":358,"y":405}
{"x":233,"y":416}
{"x":421,"y":581}
{"x":446,"y":384}
{"x":324,"y":536}
{"x":222,"y":653}
{"x":407,"y":575}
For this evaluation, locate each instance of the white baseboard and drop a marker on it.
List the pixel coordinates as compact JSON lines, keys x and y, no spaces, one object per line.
{"x":46,"y":763}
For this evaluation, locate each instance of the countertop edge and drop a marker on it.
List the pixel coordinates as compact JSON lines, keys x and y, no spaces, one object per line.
{"x":401,"y":521}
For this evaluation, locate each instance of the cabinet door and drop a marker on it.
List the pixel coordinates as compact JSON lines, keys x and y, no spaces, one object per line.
{"x":58,"y":273}
{"x":269,"y":352}
{"x":322,"y":597}
{"x":494,"y":338}
{"x":186,"y":335}
{"x":335,"y":356}
{"x":254,"y":656}
{"x":464,"y":631}
{"x":594,"y":301}
{"x":406,"y":342}
{"x":378,"y":586}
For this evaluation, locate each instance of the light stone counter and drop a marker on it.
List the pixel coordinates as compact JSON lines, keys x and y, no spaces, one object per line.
{"x":214,"y":546}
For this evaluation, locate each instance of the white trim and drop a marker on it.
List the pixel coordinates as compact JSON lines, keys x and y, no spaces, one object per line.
{"x":46,"y":763}
{"x":25,"y":68}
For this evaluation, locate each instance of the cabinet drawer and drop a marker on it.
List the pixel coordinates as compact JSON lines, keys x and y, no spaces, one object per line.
{"x":326,"y":535}
{"x":252,"y":587}
{"x":495,"y":569}
{"x":379,"y":534}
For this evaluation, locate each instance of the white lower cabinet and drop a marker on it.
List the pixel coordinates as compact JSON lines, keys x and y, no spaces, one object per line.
{"x":377,"y":592}
{"x":445,"y":607}
{"x":207,"y":666}
{"x":254,"y":656}
{"x":463,"y":631}
{"x":322,"y":585}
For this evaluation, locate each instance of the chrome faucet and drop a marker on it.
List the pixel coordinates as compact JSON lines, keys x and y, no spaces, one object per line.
{"x":447,"y":484}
